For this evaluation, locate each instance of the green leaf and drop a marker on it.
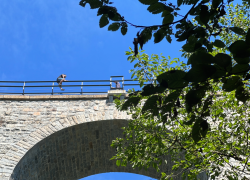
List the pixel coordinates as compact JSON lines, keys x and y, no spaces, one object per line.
{"x":200,"y":73}
{"x":238,"y":30}
{"x":219,"y":43}
{"x":165,"y":13}
{"x":200,"y":57}
{"x":146,"y":34}
{"x":159,"y":89}
{"x":124,"y":28}
{"x":95,"y":4}
{"x":173,"y":78}
{"x":118,"y":162}
{"x":116,"y":17}
{"x":168,"y":8}
{"x":248,"y":37}
{"x":150,"y":89}
{"x":111,"y":14}
{"x":179,"y":2}
{"x":196,"y":131}
{"x":247,"y":76}
{"x":201,"y":32}
{"x":186,"y":34}
{"x":204,"y":14}
{"x":156,"y":8}
{"x":241,"y":94}
{"x":114,"y":26}
{"x":103,"y":20}
{"x":150,"y":104}
{"x":238,"y":68}
{"x":220,"y":72}
{"x":216,"y":3}
{"x":124,"y":163}
{"x":204,"y":128}
{"x":195,"y":11}
{"x":239,"y":60}
{"x":190,"y":122}
{"x":207,"y":103}
{"x":103,"y":10}
{"x":188,"y":47}
{"x":132,"y":101}
{"x":223,"y":60}
{"x":82,"y":3}
{"x":231,"y":83}
{"x":167,"y":108}
{"x":194,"y":97}
{"x":172,"y":97}
{"x":148,"y":2}
{"x":168,"y":19}
{"x":168,"y":37}
{"x":159,"y":35}
{"x":182,"y":37}
{"x":238,"y":46}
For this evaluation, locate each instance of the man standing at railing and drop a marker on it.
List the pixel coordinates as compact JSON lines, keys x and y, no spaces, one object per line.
{"x":117,"y":85}
{"x":60,"y":79}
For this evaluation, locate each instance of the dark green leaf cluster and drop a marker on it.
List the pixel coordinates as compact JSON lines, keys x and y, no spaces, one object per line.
{"x":108,"y":13}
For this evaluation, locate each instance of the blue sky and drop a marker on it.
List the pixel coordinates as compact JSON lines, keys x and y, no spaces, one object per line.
{"x":42,"y":39}
{"x":39,"y":40}
{"x":117,"y":175}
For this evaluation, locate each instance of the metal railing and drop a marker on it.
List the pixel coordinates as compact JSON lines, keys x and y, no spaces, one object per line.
{"x":77,"y":87}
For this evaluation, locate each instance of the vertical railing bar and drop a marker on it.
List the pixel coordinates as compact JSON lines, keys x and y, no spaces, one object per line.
{"x":123,"y":82}
{"x":110,"y":82}
{"x":53,"y":88}
{"x":23,"y":87}
{"x":81,"y":88}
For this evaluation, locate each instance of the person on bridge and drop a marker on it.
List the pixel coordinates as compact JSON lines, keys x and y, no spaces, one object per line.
{"x":61,"y":79}
{"x":117,"y":85}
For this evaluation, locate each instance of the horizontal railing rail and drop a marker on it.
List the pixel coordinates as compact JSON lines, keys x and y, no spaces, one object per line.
{"x":67,"y":81}
{"x":71,"y":87}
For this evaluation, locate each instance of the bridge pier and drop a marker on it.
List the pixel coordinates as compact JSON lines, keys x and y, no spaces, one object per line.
{"x":116,"y":93}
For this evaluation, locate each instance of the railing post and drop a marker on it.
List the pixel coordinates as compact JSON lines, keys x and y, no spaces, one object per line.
{"x":110,"y":82}
{"x":122,"y":82}
{"x":52,"y":88}
{"x":23,"y":87}
{"x":81,"y":88}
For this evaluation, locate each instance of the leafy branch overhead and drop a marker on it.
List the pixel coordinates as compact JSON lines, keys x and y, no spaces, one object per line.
{"x":185,"y":98}
{"x":204,"y":14}
{"x":204,"y":66}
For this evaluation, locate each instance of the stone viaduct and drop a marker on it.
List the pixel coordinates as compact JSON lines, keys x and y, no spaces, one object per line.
{"x":61,"y":137}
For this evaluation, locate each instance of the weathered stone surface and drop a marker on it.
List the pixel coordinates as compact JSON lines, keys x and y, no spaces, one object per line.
{"x":72,"y":154}
{"x":46,"y":137}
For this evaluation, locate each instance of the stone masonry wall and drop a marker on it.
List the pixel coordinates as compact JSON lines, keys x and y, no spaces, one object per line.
{"x":37,"y":132}
{"x":25,"y":120}
{"x":77,"y":152}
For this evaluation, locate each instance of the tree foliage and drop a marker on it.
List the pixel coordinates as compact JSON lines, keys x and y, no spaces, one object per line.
{"x":214,"y":135}
{"x":203,"y":103}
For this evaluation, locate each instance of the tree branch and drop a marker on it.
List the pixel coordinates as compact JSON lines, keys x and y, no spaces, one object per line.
{"x":139,"y":26}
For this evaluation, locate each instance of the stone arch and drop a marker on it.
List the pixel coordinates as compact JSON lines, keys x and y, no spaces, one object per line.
{"x":22,"y":153}
{"x":76,"y":152}
{"x":20,"y":148}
